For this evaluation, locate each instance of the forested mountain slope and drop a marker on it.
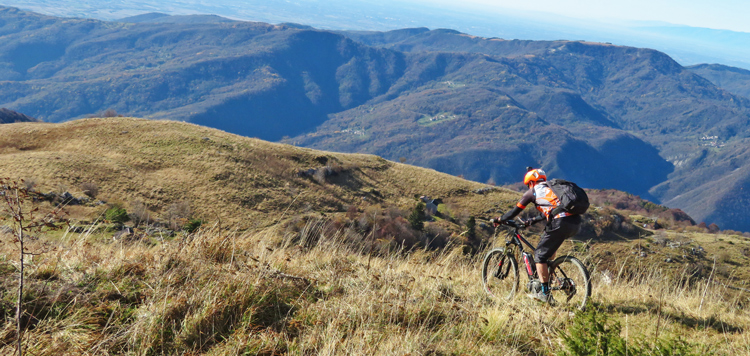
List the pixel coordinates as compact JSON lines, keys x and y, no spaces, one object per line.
{"x":602,"y":115}
{"x":734,"y":80}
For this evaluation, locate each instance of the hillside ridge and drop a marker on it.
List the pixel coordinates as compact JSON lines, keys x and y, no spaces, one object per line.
{"x":160,"y":163}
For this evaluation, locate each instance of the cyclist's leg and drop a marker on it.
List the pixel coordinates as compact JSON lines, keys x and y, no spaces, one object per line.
{"x":548,"y":245}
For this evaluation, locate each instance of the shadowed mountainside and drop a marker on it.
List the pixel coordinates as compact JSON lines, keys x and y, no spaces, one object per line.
{"x":10,"y":116}
{"x":599,"y":114}
{"x":248,"y":78}
{"x":734,"y":80}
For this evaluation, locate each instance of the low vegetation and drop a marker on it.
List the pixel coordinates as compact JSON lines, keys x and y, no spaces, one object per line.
{"x":272,"y":293}
{"x":319,"y":253}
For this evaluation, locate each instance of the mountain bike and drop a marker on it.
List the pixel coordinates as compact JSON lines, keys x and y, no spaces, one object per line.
{"x":570,"y":285}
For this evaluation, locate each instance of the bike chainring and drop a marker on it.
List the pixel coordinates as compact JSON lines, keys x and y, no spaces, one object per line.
{"x":568,"y":286}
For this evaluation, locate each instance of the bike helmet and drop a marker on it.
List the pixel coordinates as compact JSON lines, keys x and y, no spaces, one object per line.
{"x":534,"y":175}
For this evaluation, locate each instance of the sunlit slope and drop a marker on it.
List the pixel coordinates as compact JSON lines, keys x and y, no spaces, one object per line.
{"x":237,"y":181}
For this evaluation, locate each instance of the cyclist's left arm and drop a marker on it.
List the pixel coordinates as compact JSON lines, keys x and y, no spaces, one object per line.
{"x":527,"y":198}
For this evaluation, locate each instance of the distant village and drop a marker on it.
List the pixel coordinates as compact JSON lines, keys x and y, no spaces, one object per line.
{"x":354,"y":132}
{"x":711,"y":141}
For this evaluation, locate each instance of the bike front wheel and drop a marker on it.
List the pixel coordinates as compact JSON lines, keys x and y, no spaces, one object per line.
{"x":500,"y":274}
{"x":570,"y":283}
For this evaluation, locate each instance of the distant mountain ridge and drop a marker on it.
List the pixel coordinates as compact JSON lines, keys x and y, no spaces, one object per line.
{"x":10,"y":116}
{"x":192,"y":72}
{"x":734,"y":80}
{"x":156,"y":17}
{"x":605,"y":116}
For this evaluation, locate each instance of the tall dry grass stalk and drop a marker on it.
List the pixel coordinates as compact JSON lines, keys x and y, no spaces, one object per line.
{"x":317,"y":293}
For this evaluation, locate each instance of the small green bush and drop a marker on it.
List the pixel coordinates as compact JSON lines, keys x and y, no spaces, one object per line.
{"x":471,"y":224}
{"x":417,"y":216}
{"x":591,"y":333}
{"x":193,"y":225}
{"x":117,"y":215}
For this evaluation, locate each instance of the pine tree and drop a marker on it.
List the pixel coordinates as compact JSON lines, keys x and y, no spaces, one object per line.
{"x":471,"y":232}
{"x":416,"y":218}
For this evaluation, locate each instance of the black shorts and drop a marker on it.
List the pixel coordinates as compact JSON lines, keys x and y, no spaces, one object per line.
{"x":554,"y":234}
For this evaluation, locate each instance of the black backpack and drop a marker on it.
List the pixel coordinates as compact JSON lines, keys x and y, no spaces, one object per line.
{"x":572,"y":198}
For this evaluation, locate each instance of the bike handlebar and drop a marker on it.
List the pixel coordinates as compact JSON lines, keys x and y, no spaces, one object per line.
{"x":511,"y":223}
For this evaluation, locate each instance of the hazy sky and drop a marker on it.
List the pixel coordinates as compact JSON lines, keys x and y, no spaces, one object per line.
{"x":717,"y":14}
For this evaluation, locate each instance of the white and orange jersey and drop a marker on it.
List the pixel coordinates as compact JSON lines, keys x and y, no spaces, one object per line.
{"x":544,"y":198}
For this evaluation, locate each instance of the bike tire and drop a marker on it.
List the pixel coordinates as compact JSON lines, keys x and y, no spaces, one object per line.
{"x":564,"y":270}
{"x":500,"y":274}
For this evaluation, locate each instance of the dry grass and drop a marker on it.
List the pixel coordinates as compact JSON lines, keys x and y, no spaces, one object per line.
{"x":246,"y":284}
{"x":218,"y":293}
{"x":241,"y":182}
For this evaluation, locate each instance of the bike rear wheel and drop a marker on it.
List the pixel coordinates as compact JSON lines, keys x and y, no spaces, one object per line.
{"x":570,"y":283}
{"x":500,"y":274}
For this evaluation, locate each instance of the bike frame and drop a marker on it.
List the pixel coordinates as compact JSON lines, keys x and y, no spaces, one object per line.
{"x":518,"y":240}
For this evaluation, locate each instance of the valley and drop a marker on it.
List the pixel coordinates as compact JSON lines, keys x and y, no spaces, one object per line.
{"x":603,"y":115}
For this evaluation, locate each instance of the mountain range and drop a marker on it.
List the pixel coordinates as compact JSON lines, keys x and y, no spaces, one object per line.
{"x":686,"y":44}
{"x":602,"y":115}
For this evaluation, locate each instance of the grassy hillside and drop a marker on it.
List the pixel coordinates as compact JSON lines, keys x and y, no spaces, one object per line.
{"x":219,"y":294}
{"x":323,"y":264}
{"x":240,"y":182}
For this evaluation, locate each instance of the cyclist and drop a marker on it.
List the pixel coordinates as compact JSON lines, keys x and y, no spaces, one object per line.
{"x":558,"y":228}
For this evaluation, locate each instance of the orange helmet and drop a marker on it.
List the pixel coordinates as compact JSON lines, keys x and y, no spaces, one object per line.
{"x":534,"y":175}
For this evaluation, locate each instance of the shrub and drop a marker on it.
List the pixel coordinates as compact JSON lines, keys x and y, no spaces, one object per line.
{"x":417,"y":216}
{"x":106,"y":113}
{"x":90,"y":189}
{"x":437,"y":237}
{"x":696,"y":228}
{"x":29,"y":184}
{"x":177,"y":214}
{"x":193,"y":225}
{"x":713,"y":228}
{"x":139,"y":213}
{"x":591,"y":333}
{"x":724,"y":257}
{"x":471,"y":232}
{"x":320,"y":176}
{"x":117,"y":215}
